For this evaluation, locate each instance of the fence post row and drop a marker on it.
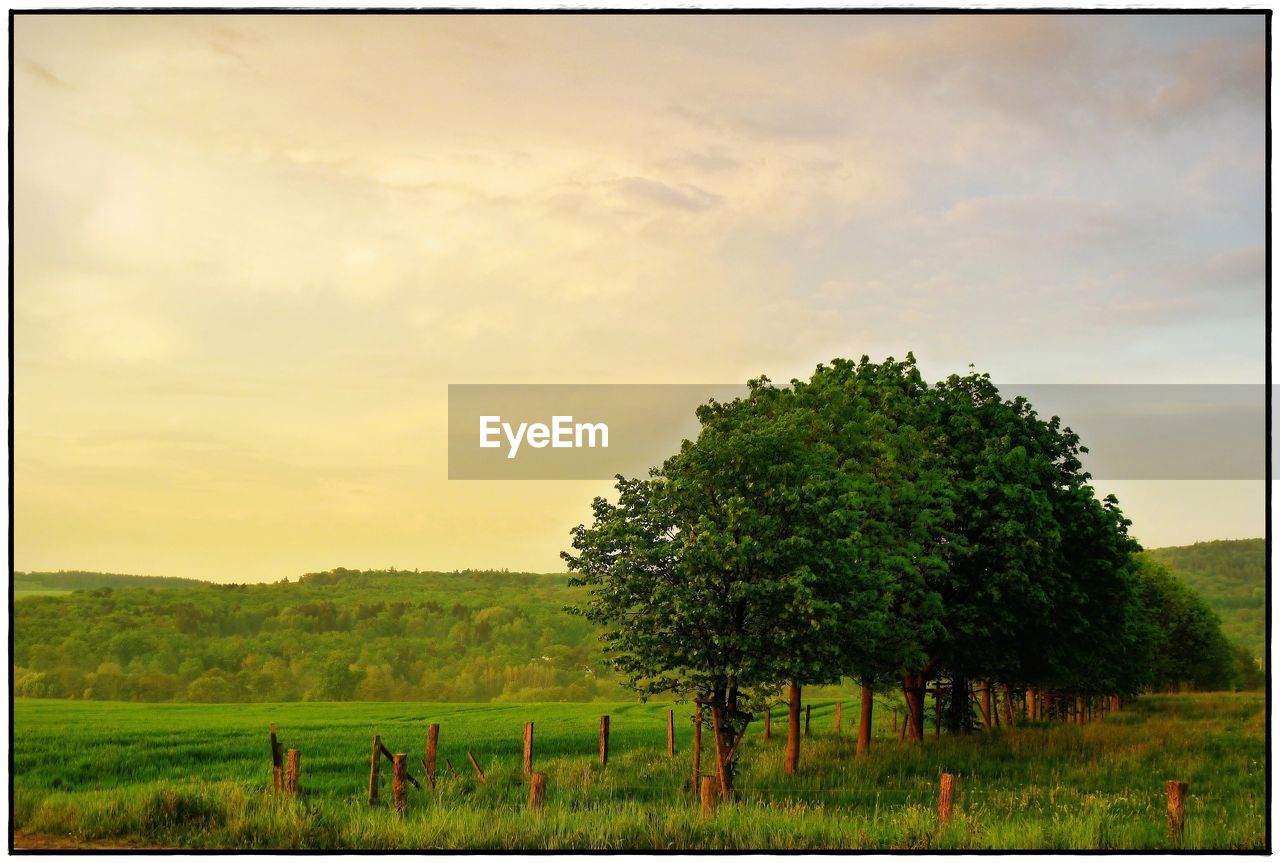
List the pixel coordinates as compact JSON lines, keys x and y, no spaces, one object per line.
{"x":277,"y":761}
{"x":475,"y":764}
{"x":291,"y":771}
{"x":375,"y":761}
{"x":944,"y":799}
{"x":528,"y":748}
{"x":398,"y":775}
{"x":1176,"y":792}
{"x":604,"y":740}
{"x":708,"y":794}
{"x":537,"y":787}
{"x":429,"y":764}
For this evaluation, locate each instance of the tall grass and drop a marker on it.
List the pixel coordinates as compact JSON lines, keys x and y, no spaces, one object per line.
{"x":198,"y":776}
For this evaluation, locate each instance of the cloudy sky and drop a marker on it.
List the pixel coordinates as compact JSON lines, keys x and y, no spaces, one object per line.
{"x":251,"y":252}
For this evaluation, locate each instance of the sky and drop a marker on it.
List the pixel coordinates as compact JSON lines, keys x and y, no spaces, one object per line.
{"x":252,"y":252}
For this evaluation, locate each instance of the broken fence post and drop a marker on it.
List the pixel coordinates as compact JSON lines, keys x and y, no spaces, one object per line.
{"x":293,"y":756}
{"x":944,"y":799}
{"x":537,"y":787}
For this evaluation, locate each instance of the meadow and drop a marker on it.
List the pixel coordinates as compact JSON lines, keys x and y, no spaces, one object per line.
{"x":183,"y":775}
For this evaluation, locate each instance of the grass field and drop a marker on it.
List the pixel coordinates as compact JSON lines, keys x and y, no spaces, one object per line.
{"x":24,"y":594}
{"x":197,"y":776}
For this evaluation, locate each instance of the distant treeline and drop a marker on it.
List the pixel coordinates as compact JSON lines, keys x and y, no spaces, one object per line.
{"x":330,"y":636}
{"x":343,"y":634}
{"x":71,"y":579}
{"x":1231,"y":576}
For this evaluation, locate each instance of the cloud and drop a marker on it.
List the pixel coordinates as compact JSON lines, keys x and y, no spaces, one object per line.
{"x":683,"y":197}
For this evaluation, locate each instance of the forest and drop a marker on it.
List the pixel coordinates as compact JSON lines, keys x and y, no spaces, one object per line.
{"x":368,"y":635}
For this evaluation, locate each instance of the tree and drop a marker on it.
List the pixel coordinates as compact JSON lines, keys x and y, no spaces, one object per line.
{"x":879,"y":419}
{"x":732,"y":567}
{"x":1189,"y":648}
{"x":337,"y":681}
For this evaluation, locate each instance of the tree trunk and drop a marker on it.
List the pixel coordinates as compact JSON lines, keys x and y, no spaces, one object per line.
{"x":913,"y":691}
{"x":792,"y":762}
{"x":697,"y":746}
{"x":1008,"y":706}
{"x":984,"y":703}
{"x":864,"y":723}
{"x":726,"y":738}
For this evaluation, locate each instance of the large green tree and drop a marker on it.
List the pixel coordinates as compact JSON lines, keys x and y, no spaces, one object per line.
{"x":735,"y":565}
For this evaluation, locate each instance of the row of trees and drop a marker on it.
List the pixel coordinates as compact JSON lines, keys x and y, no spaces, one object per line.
{"x":864,"y":524}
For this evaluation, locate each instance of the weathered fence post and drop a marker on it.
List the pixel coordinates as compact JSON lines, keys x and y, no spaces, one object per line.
{"x":1177,"y":813}
{"x":944,"y":799}
{"x":277,"y":761}
{"x":476,"y":765}
{"x":528,"y":748}
{"x":375,"y":761}
{"x":792,"y":762}
{"x":604,"y":740}
{"x":433,"y":742}
{"x":397,"y":782}
{"x":839,"y":716}
{"x":292,"y":757}
{"x":708,"y":796}
{"x":671,"y":733}
{"x":768,"y":722}
{"x":1079,"y":710}
{"x":537,"y":787}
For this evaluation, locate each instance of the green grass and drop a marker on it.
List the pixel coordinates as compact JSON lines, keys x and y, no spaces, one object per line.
{"x":196,"y":776}
{"x":20,"y":593}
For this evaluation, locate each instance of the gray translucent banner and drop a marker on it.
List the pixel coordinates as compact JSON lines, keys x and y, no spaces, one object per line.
{"x":595,"y":431}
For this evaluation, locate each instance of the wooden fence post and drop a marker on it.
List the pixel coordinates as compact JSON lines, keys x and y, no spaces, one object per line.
{"x":944,"y":799}
{"x":397,"y":782}
{"x":671,"y":733}
{"x":292,"y":757}
{"x":537,"y":787}
{"x":768,"y":722}
{"x":528,"y":748}
{"x":792,"y":758}
{"x":604,"y":740}
{"x":277,"y":761}
{"x":807,"y":709}
{"x":476,"y":765}
{"x":433,"y":741}
{"x":839,"y":716}
{"x":1177,"y":813}
{"x":375,"y":761}
{"x":708,"y":796}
